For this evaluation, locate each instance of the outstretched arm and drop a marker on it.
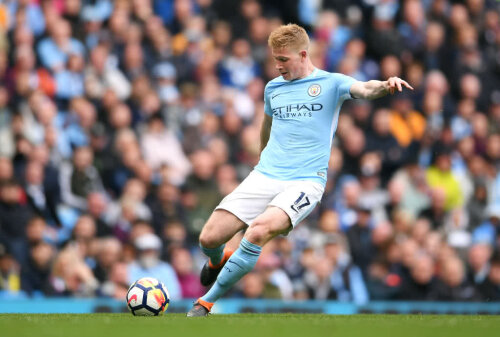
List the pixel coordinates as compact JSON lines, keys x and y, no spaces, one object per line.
{"x":265,"y":131}
{"x":375,"y":89}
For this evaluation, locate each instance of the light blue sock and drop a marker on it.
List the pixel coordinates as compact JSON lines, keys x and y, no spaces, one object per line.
{"x":240,"y":263}
{"x":214,"y":254}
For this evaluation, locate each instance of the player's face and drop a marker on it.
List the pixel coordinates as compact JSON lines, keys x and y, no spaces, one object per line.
{"x":290,"y":64}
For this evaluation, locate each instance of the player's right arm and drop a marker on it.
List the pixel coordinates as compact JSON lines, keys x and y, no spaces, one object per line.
{"x":375,"y":89}
{"x":265,"y":131}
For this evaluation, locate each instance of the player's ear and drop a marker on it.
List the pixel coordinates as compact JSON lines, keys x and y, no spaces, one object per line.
{"x":303,"y":54}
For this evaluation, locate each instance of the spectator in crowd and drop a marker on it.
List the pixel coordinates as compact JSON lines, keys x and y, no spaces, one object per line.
{"x":372,"y":195}
{"x":239,"y":68}
{"x":166,"y":206}
{"x":317,"y":280}
{"x":385,"y":144}
{"x":165,"y":74}
{"x":148,"y":263}
{"x":117,"y":285}
{"x":174,"y":235}
{"x":359,"y":237}
{"x":453,"y":285}
{"x":15,"y":213}
{"x":479,"y":256}
{"x":381,"y":283}
{"x":103,"y":73}
{"x":476,"y":207}
{"x":42,"y":199}
{"x":108,"y":254}
{"x":347,"y":203}
{"x":70,"y":276}
{"x":422,"y":284}
{"x":98,"y":209}
{"x":436,"y":212}
{"x":200,"y":191}
{"x":269,"y":266}
{"x":440,"y":175}
{"x":157,"y":138}
{"x":83,"y":239}
{"x":347,"y":278}
{"x":406,"y":124}
{"x":37,"y":231}
{"x":254,"y":286}
{"x":489,"y":288}
{"x":70,"y":82}
{"x":25,"y":65}
{"x":35,"y":274}
{"x":54,"y":51}
{"x":182,"y":262}
{"x":353,"y":145}
{"x":10,"y":278}
{"x":79,"y":179}
{"x":488,"y":231}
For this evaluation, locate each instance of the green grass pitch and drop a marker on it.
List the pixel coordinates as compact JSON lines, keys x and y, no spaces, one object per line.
{"x":243,"y":325}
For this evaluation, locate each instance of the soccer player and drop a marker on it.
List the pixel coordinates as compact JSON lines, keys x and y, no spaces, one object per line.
{"x":301,"y":113}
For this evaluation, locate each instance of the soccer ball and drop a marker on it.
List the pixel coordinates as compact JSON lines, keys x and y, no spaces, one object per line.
{"x":147,"y":297}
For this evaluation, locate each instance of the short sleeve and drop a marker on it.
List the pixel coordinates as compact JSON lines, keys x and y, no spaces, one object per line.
{"x":344,"y":84}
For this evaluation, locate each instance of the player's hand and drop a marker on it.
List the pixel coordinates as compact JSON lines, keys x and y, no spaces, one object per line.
{"x":395,"y":83}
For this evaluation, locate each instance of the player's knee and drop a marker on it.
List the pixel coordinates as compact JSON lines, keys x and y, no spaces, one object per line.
{"x":259,"y":232}
{"x":209,"y":240}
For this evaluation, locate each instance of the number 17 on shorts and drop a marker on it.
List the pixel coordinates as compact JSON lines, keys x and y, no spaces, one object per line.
{"x":299,"y":199}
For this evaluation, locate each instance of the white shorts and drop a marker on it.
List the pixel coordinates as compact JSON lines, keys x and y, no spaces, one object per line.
{"x":251,"y":198}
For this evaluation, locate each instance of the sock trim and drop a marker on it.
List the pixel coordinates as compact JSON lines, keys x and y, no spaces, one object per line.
{"x":250,"y":248}
{"x":227,"y":254}
{"x":210,"y":251}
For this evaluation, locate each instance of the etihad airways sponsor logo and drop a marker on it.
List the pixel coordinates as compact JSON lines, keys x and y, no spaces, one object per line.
{"x":296,"y":110}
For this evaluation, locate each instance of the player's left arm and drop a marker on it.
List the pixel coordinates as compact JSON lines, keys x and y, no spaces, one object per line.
{"x":375,"y":89}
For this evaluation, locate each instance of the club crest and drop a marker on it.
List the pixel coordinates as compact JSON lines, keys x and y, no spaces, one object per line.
{"x":314,"y":90}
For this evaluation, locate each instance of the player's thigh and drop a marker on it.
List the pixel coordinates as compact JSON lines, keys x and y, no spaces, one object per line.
{"x":220,"y":228}
{"x":298,"y":200}
{"x":251,"y":197}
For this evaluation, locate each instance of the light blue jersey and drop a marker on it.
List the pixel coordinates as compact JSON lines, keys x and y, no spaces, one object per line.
{"x":305,"y":113}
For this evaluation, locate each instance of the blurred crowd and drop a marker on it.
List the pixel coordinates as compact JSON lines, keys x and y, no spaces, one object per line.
{"x":124,"y":123}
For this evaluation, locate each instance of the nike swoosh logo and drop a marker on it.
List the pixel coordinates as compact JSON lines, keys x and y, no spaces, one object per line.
{"x":273,"y":96}
{"x":229,"y":261}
